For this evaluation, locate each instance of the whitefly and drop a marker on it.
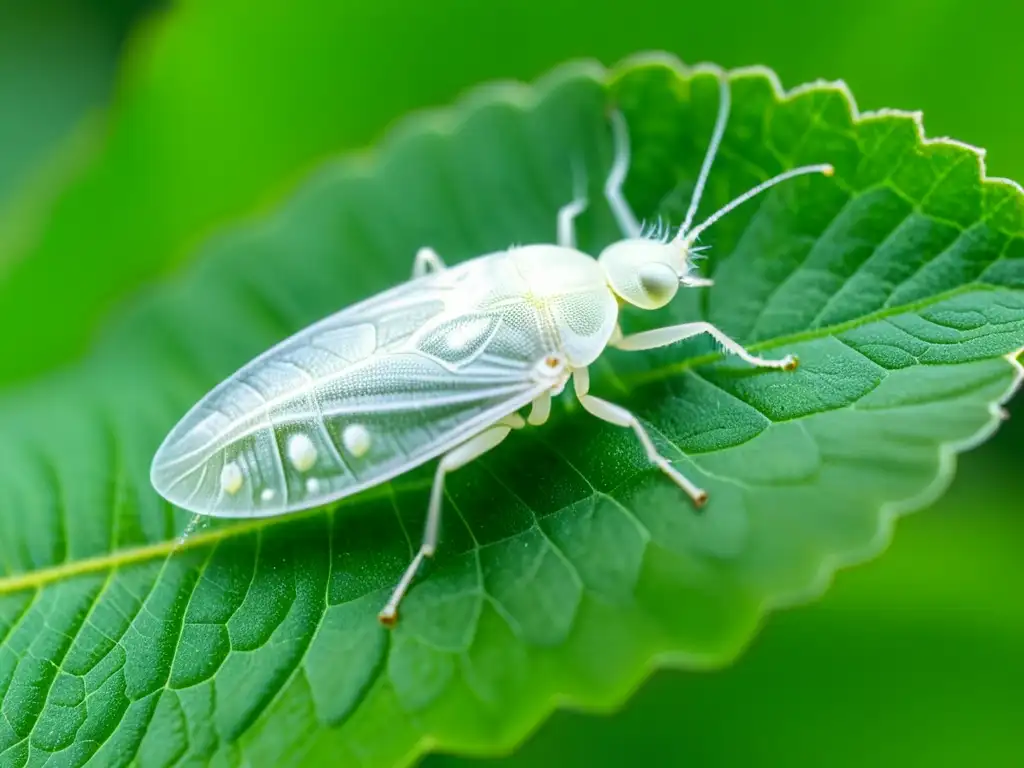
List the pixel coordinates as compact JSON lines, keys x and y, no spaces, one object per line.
{"x":440,"y":366}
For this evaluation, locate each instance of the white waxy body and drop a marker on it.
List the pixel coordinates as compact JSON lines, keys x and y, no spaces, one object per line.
{"x":387,"y":384}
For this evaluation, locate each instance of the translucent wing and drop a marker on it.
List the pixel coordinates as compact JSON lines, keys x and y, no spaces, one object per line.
{"x":359,"y":397}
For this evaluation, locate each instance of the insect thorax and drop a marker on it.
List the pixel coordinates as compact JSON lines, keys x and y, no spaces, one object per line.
{"x":570,"y":299}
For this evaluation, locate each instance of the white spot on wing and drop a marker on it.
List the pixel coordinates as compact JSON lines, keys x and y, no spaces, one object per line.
{"x":301,"y":452}
{"x":312,"y":485}
{"x":357,"y":440}
{"x":267,"y":494}
{"x":231,"y":478}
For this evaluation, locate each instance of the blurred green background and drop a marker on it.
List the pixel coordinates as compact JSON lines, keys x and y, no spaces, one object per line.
{"x":130,"y":130}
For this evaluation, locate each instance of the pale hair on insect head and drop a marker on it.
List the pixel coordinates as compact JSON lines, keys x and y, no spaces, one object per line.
{"x":647,"y":270}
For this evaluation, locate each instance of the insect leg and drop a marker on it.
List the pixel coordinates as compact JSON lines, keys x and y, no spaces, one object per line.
{"x":619,"y":416}
{"x":662,"y":337}
{"x":540,"y":410}
{"x":514,"y":420}
{"x":426,"y":261}
{"x":451,"y":461}
{"x":624,"y":215}
{"x":567,"y":213}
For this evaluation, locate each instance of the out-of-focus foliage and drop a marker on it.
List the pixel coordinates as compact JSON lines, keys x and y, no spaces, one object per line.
{"x":58,"y":60}
{"x":223,"y":106}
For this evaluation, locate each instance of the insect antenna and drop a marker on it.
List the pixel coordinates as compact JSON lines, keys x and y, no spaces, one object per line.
{"x":724,"y":104}
{"x":688,"y":237}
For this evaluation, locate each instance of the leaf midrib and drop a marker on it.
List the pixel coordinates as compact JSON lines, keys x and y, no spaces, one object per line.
{"x":112,"y":560}
{"x":673,"y":369}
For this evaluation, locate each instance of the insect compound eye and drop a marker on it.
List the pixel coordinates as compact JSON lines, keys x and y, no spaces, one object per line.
{"x":659,"y":282}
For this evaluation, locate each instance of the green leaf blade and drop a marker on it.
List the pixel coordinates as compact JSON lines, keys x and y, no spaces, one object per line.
{"x":568,"y":567}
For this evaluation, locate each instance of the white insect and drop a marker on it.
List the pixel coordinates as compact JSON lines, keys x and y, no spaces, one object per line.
{"x":440,"y":366}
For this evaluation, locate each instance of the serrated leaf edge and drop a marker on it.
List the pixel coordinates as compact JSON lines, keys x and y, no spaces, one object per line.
{"x":447,"y":120}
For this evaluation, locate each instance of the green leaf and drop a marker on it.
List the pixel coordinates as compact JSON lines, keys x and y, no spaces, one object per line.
{"x":568,"y":567}
{"x":885,"y":649}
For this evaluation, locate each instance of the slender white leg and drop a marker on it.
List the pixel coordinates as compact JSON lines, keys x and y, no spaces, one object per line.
{"x":662,"y":337}
{"x":451,"y":461}
{"x":540,"y":411}
{"x":566,"y":216}
{"x":616,"y":178}
{"x":426,"y":261}
{"x":581,"y":379}
{"x":619,"y":416}
{"x":567,"y":213}
{"x":513,"y":421}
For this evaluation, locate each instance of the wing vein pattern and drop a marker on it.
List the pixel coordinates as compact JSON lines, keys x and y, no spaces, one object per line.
{"x":414,"y":370}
